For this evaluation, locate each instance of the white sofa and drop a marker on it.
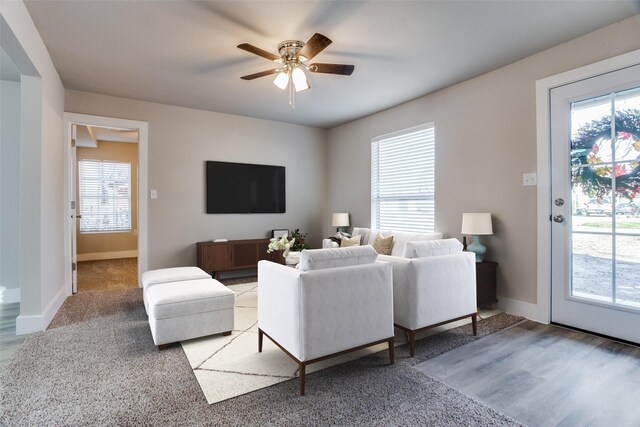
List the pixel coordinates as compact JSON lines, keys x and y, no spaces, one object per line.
{"x":400,"y":238}
{"x":434,"y":281}
{"x":334,"y":302}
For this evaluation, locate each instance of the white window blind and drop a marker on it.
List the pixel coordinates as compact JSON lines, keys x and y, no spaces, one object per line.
{"x":403,"y":180}
{"x":105,"y":195}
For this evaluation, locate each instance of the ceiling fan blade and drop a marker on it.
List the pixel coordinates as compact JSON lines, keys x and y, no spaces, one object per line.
{"x":260,"y":74}
{"x":314,"y":46}
{"x":332,"y":68}
{"x":257,"y":51}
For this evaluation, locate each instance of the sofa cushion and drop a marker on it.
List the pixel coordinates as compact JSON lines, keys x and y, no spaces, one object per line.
{"x":188,"y":297}
{"x":175,"y":274}
{"x":369,"y":234}
{"x":383,"y":245}
{"x":346,"y":242}
{"x":401,"y":238}
{"x":432,"y":248}
{"x":316,"y":259}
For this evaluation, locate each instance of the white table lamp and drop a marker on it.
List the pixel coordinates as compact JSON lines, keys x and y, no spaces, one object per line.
{"x":477,"y":224}
{"x":340,"y":220}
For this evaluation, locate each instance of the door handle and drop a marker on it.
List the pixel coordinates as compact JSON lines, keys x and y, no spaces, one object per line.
{"x":558,"y":218}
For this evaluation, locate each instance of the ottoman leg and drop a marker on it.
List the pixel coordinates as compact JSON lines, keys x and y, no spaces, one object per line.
{"x":226,"y":333}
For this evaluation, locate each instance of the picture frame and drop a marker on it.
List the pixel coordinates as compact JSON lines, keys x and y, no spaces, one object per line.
{"x":279,"y":232}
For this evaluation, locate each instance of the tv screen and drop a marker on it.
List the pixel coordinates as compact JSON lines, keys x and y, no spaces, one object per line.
{"x":245,"y":188}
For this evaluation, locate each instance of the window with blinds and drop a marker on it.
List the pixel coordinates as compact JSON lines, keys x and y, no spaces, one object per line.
{"x":105,"y":195}
{"x":403,"y":180}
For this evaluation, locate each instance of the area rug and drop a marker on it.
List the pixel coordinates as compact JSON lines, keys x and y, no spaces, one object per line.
{"x":229,"y":366}
{"x":98,"y":366}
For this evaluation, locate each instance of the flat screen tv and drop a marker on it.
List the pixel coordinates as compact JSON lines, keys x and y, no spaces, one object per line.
{"x":245,"y":188}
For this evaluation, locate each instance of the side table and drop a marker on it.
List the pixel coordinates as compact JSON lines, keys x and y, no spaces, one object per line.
{"x":486,"y":284}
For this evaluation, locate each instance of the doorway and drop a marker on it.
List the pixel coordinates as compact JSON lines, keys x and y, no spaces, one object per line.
{"x":107,"y":208}
{"x":105,"y":232}
{"x":595,"y":194}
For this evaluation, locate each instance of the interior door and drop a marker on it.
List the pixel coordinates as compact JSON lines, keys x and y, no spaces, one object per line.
{"x":595,"y":163}
{"x":73,"y":188}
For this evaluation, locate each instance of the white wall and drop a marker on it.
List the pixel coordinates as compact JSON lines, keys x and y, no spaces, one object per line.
{"x":10,"y":191}
{"x":485,"y":141}
{"x":41,"y":181}
{"x":182,"y":139}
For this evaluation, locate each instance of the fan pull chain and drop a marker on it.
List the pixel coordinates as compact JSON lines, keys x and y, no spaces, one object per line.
{"x":292,"y":95}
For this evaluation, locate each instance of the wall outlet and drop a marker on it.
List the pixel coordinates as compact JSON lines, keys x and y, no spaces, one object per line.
{"x":154,"y":194}
{"x":529,"y":179}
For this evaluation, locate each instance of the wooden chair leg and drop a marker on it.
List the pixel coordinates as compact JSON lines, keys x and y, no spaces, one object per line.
{"x":412,"y":343}
{"x":301,"y":378}
{"x":474,"y":323}
{"x":392,"y":356}
{"x":260,"y":336}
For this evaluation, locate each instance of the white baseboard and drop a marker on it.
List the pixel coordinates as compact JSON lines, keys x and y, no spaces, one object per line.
{"x":96,"y":256}
{"x":519,"y":308}
{"x":26,"y":324}
{"x":8,"y":296}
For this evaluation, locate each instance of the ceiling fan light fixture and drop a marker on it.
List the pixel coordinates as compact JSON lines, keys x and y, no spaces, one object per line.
{"x":293,"y":55}
{"x":281,"y":80}
{"x":299,"y":79}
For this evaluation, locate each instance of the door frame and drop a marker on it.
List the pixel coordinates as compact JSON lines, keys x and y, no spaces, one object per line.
{"x":544,"y":204}
{"x":70,"y":119}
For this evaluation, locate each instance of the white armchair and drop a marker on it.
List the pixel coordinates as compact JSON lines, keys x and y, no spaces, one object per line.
{"x":434,"y":284}
{"x":336,"y":301}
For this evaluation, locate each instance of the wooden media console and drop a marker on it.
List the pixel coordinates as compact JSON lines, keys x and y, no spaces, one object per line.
{"x":215,"y":257}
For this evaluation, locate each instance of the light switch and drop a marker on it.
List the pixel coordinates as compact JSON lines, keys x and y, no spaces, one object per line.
{"x":529,"y":179}
{"x":154,"y":194}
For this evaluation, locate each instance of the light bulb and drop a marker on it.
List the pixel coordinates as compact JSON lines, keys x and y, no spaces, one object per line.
{"x":299,"y":79}
{"x":281,"y":80}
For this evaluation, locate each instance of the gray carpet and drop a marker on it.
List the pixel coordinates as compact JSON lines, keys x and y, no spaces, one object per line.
{"x":103,"y":369}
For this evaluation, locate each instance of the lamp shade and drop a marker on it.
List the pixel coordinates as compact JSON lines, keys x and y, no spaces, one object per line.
{"x":340,"y":220}
{"x":476,"y":224}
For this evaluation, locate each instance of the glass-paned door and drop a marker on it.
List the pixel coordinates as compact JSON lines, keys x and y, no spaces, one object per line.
{"x":595,"y":146}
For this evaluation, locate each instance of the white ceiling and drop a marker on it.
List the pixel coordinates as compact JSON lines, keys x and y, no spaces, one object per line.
{"x":184,"y":53}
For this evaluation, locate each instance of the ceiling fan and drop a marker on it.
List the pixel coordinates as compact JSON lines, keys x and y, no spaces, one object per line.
{"x":294,"y":56}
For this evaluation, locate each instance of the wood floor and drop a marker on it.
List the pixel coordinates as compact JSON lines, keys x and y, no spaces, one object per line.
{"x":9,"y":341}
{"x":545,"y":375}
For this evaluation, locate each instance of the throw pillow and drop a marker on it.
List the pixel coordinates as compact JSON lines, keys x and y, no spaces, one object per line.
{"x":366,"y":234}
{"x":353,"y":241}
{"x":383,"y":245}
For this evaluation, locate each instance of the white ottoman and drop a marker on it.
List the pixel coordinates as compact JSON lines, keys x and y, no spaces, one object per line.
{"x":183,"y":310}
{"x":165,"y":275}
